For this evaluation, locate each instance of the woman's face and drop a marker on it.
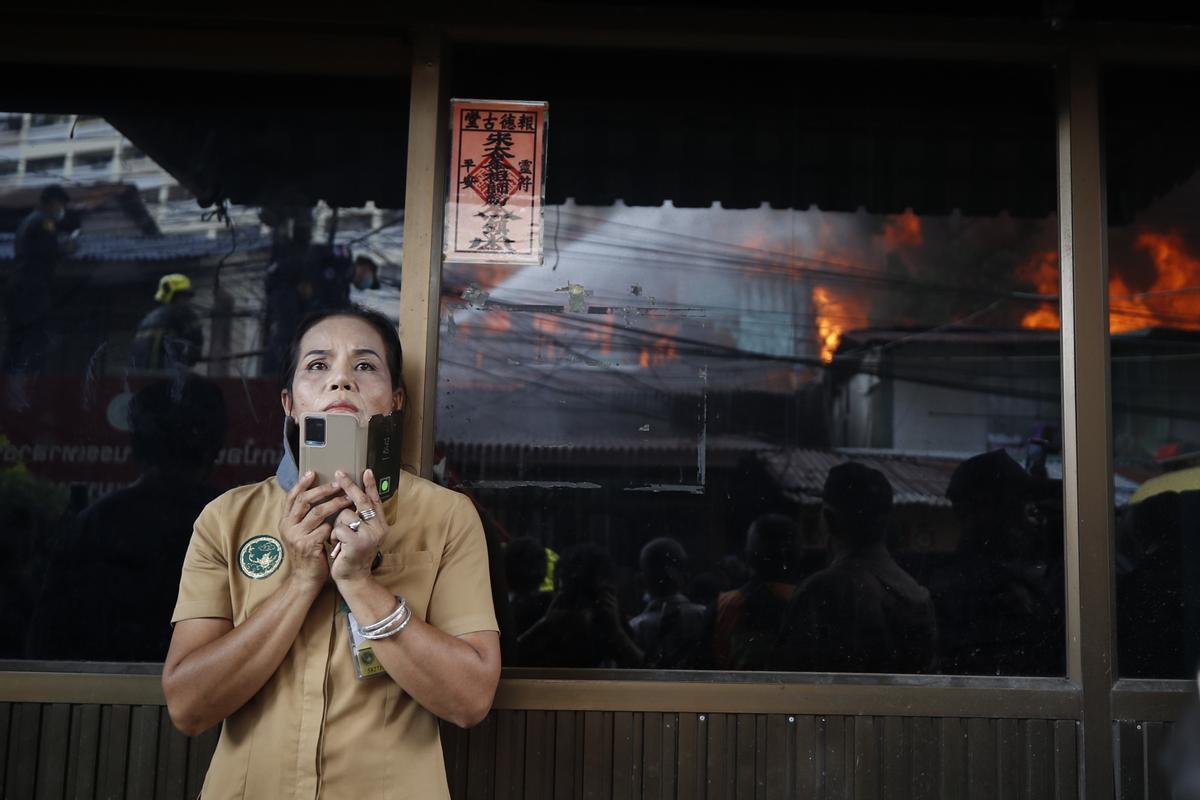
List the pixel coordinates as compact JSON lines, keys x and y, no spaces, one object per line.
{"x":342,"y":369}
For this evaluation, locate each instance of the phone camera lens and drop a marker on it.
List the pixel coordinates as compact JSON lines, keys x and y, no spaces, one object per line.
{"x":314,"y":431}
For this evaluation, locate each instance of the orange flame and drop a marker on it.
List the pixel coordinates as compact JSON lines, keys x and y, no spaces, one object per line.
{"x":664,"y":348}
{"x":903,"y":230}
{"x":1167,"y":302}
{"x":1042,"y":271}
{"x":834,"y":313}
{"x":1177,"y":275}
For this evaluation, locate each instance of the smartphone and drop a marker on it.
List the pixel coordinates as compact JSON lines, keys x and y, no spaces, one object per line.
{"x":332,"y":442}
{"x":383,"y":451}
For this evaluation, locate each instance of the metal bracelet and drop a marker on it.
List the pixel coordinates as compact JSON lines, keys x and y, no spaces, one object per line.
{"x":401,"y":607}
{"x":398,"y":625}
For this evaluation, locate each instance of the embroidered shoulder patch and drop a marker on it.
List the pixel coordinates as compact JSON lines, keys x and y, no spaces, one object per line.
{"x":260,"y":556}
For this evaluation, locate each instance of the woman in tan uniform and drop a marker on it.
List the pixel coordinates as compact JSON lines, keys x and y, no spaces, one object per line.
{"x":261,"y":638}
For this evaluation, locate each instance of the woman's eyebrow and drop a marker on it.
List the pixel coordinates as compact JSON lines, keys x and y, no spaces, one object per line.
{"x":366,"y":351}
{"x":316,"y":353}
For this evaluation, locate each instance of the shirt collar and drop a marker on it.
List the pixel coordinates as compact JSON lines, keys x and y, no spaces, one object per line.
{"x":288,"y":471}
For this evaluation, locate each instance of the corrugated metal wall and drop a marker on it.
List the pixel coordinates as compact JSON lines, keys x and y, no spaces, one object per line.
{"x":58,"y":750}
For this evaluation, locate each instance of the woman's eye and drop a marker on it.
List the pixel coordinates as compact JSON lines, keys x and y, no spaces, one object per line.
{"x":365,"y":365}
{"x":316,"y":365}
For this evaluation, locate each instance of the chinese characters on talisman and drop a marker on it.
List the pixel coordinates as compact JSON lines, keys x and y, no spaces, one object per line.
{"x":498,"y":178}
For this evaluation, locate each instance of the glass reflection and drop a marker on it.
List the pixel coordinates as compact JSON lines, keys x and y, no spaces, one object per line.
{"x":1153,"y":190}
{"x":664,"y":403}
{"x":140,"y":350}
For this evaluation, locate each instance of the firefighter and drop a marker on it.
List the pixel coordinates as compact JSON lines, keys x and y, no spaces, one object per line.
{"x":170,"y":336}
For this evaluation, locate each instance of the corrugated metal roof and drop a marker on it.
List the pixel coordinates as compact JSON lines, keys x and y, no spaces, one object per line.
{"x":916,"y":480}
{"x":169,"y":247}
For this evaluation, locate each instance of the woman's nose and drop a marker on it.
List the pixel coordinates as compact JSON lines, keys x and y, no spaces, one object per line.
{"x":340,"y":385}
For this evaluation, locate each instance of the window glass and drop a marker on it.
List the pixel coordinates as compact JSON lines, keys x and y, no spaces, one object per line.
{"x":785,"y":393}
{"x":1153,"y":197}
{"x":147,"y":304}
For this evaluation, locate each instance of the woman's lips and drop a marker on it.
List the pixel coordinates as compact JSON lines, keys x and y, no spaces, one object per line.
{"x":348,"y":408}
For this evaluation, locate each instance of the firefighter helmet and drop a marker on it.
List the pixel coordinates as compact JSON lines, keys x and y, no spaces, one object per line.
{"x":171,"y":285}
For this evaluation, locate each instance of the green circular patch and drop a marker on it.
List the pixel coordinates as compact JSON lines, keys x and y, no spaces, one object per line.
{"x":260,"y":557}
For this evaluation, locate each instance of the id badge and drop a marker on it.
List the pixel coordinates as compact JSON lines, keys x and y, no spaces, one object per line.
{"x":366,"y":665}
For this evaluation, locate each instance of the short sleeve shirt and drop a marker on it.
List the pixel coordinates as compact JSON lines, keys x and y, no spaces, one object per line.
{"x":315,"y":729}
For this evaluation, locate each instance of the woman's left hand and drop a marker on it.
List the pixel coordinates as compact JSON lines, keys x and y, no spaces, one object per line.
{"x":354,"y":550}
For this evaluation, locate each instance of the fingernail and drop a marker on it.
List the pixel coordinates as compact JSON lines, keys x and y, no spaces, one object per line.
{"x":308,"y":474}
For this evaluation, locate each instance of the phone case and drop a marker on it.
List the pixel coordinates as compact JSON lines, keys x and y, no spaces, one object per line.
{"x":383,"y":451}
{"x":344,"y":448}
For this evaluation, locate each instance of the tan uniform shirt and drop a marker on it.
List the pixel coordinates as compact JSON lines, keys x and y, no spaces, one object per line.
{"x":314,"y":729}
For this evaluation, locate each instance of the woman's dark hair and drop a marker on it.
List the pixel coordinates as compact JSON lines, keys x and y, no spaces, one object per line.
{"x":393,"y":356}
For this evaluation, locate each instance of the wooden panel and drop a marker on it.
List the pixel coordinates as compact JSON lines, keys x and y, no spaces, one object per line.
{"x":867,"y":765}
{"x":1155,"y":738}
{"x":1010,"y":746}
{"x":84,"y":753}
{"x":778,"y":757}
{"x":143,"y":753}
{"x":691,"y":758}
{"x":1038,"y":760}
{"x":171,"y":783}
{"x":121,"y":751}
{"x":1066,"y":767}
{"x":953,"y":740}
{"x":712,"y":728}
{"x":1131,"y":775}
{"x":510,"y":755}
{"x":670,"y":728}
{"x":539,"y":755}
{"x":746,"y":749}
{"x":653,"y":761}
{"x":482,"y":759}
{"x":981,"y":759}
{"x":5,"y":721}
{"x":597,"y":755}
{"x":809,"y":756}
{"x":926,"y":768}
{"x":1139,"y":772}
{"x":838,"y":757}
{"x":625,"y":764}
{"x":20,"y":779}
{"x":897,"y":759}
{"x":564,"y":754}
{"x":53,"y":749}
{"x":901,"y":696}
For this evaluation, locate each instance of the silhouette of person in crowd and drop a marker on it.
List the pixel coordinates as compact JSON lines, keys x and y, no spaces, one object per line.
{"x":749,"y":618}
{"x":525,"y":567}
{"x":583,"y":626}
{"x":862,"y":613}
{"x":995,"y":601}
{"x":38,"y":248}
{"x":122,"y":560}
{"x":671,"y":629}
{"x":28,"y":302}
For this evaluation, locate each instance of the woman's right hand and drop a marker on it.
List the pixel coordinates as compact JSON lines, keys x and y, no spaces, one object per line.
{"x":304,"y":530}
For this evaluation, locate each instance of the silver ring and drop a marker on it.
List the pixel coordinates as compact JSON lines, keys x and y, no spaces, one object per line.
{"x":367,"y":514}
{"x":354,"y":525}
